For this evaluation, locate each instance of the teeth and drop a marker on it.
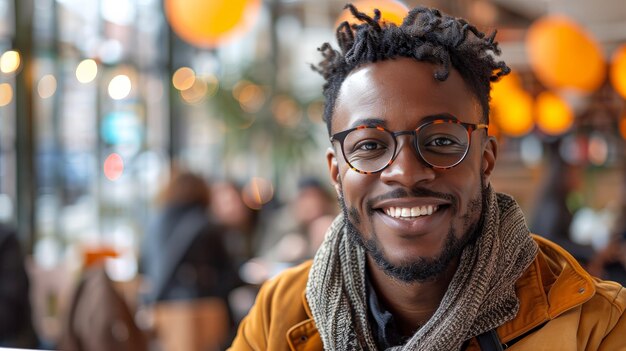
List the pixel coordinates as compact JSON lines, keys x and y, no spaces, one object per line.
{"x":405,"y":212}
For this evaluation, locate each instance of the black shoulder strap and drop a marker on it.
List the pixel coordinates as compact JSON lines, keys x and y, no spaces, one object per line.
{"x":489,"y":341}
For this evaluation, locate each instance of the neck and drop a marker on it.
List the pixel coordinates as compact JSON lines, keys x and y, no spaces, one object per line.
{"x":412,"y":304}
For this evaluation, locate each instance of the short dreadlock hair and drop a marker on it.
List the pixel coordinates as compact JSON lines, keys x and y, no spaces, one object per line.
{"x":425,"y":35}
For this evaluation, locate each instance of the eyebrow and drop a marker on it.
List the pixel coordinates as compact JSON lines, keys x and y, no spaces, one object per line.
{"x":369,"y":122}
{"x":372,"y":121}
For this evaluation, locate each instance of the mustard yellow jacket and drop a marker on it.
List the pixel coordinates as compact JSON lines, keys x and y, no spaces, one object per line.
{"x":562,"y":307}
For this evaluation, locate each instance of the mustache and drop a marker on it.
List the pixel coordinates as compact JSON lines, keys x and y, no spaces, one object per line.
{"x":413,"y":192}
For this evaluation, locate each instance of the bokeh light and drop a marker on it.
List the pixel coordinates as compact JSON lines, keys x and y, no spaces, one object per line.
{"x":113,"y":167}
{"x":10,"y":61}
{"x":47,"y":86}
{"x":86,"y":71}
{"x":257,"y":192}
{"x":554,"y":116}
{"x":515,"y":117}
{"x":6,"y":94}
{"x":210,"y":23}
{"x":598,"y":149}
{"x":183,"y":78}
{"x":618,"y":70}
{"x":119,"y":87}
{"x":202,"y":88}
{"x":196,"y":92}
{"x":315,"y":112}
{"x":391,"y":11}
{"x":531,"y":150}
{"x":511,"y":107}
{"x":564,"y":56}
{"x":574,"y":149}
{"x":251,"y":97}
{"x":286,"y":111}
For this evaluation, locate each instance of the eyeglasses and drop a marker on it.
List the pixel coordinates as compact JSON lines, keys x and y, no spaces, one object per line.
{"x":441,"y":143}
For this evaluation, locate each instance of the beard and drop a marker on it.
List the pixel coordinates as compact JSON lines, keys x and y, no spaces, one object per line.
{"x":419,"y":269}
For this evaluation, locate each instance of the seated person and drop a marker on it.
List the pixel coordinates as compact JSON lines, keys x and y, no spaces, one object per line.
{"x":16,"y":327}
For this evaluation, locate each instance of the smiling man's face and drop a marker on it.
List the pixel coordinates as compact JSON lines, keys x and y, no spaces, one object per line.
{"x":412,"y":219}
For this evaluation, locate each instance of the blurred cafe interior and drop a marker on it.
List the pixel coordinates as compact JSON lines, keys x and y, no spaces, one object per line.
{"x":106,"y":104}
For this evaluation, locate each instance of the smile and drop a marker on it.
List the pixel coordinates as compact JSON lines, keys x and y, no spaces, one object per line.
{"x":410,"y":212}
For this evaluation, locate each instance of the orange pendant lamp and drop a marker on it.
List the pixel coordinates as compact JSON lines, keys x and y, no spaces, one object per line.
{"x":511,"y":107}
{"x":564,"y":56}
{"x":554,"y":115}
{"x":210,"y":23}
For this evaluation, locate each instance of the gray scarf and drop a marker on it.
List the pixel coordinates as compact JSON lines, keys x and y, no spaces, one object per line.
{"x":480,"y":297}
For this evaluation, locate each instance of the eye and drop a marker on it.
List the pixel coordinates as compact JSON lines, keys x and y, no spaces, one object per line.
{"x":444,"y":144}
{"x":369,"y":149}
{"x":441,"y":141}
{"x":369,"y":145}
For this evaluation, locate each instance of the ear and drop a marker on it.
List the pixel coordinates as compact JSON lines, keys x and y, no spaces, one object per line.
{"x":333,"y":169}
{"x":490,"y":154}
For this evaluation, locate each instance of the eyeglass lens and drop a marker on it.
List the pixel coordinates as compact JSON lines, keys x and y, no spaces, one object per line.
{"x":439,"y":144}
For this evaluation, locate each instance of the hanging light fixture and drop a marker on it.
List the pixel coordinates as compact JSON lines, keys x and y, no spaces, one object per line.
{"x":564,"y":56}
{"x":511,"y":107}
{"x":210,"y":23}
{"x":554,"y":116}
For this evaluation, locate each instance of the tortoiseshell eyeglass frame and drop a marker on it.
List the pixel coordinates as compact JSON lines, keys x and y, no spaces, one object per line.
{"x":469,"y":127}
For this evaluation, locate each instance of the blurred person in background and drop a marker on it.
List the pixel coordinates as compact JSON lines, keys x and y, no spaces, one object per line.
{"x":425,"y":254}
{"x":239,"y":220}
{"x":183,"y":255}
{"x":610,"y":262}
{"x":552,"y":218}
{"x":291,"y":232}
{"x":16,"y":327}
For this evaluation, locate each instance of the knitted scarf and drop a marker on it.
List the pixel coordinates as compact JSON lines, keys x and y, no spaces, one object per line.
{"x":480,"y":297}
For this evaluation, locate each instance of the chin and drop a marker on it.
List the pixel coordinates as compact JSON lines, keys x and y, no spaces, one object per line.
{"x":407,"y":266}
{"x":403,"y":256}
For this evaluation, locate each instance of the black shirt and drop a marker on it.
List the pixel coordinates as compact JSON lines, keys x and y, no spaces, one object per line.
{"x":383,"y":325}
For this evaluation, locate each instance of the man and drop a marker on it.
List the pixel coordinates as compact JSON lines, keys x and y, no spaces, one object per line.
{"x":426,"y":255}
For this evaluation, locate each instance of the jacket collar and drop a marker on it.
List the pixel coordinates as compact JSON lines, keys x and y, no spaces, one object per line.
{"x":552,"y":285}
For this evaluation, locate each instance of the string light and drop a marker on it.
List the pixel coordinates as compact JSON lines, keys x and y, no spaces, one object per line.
{"x":86,"y":71}
{"x":10,"y":61}
{"x":119,"y":87}
{"x":47,"y":86}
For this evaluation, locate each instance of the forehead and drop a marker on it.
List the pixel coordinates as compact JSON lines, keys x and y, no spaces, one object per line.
{"x":402,"y":92}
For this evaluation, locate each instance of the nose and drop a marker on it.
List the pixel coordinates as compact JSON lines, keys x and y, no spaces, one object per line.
{"x":408,"y":168}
